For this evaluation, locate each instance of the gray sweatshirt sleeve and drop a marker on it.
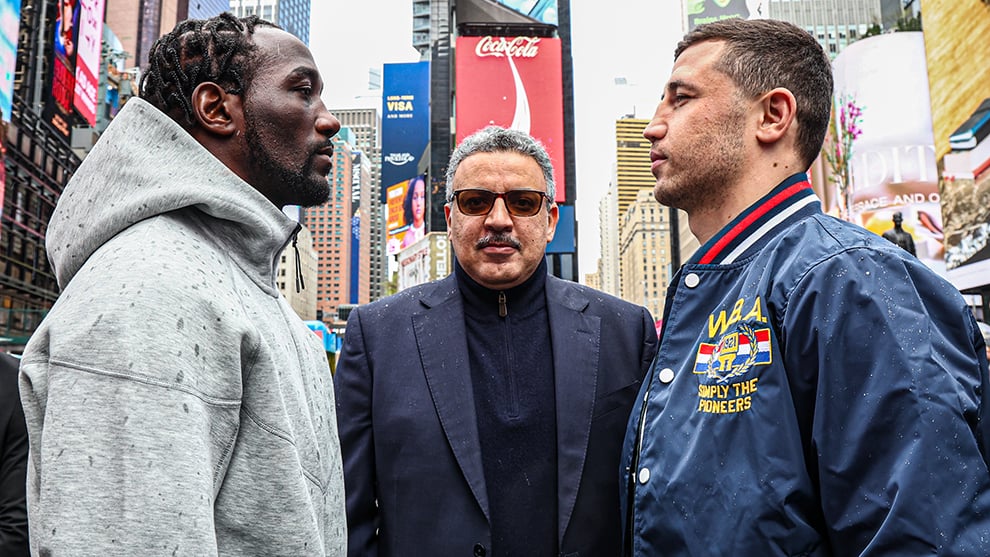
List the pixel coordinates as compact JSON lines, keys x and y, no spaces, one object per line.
{"x":125,"y":466}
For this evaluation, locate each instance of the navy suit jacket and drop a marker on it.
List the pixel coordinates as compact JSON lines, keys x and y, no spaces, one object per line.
{"x":408,"y":427}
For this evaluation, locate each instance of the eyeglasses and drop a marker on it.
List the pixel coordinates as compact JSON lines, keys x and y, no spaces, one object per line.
{"x":519,"y":203}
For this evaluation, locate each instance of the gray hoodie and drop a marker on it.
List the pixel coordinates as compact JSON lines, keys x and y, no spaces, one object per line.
{"x":175,"y":403}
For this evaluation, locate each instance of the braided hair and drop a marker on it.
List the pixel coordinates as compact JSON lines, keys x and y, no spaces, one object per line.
{"x":217,"y":50}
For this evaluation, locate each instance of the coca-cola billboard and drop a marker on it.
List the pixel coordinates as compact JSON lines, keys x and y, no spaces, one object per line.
{"x":513,"y":82}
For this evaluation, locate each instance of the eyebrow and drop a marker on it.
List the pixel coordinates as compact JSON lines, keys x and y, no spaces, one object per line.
{"x":678,"y":84}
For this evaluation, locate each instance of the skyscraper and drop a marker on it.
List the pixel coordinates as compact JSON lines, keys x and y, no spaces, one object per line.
{"x":331,"y":230}
{"x":632,"y":156}
{"x":366,"y":125}
{"x":608,"y":226}
{"x":836,"y":23}
{"x":644,"y":252}
{"x":291,"y":15}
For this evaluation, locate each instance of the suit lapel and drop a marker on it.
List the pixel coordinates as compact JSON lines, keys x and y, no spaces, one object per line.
{"x":442,"y":344}
{"x":575,"y":339}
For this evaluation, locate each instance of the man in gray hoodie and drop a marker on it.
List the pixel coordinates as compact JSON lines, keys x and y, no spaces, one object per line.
{"x":175,"y":403}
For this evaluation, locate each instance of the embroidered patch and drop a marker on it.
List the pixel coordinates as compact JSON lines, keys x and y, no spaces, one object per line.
{"x":734,"y":353}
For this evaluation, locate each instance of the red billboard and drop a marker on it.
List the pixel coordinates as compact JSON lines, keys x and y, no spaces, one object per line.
{"x":513,"y":82}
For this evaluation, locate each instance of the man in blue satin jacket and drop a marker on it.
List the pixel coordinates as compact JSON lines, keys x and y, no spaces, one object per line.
{"x":817,"y":391}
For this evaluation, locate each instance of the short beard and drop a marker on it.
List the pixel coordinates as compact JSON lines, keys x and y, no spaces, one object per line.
{"x":300,"y":188}
{"x":701,"y":187}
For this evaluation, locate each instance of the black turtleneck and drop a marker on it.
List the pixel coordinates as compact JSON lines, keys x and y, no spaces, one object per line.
{"x":512,"y":373}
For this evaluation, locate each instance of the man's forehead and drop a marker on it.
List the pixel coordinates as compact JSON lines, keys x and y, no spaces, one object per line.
{"x":278,"y":43}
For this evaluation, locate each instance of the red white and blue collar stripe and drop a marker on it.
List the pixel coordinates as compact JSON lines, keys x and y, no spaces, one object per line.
{"x":793,"y":199}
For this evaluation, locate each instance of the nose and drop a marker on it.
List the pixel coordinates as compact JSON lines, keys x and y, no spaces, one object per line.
{"x":499,"y":218}
{"x":657,"y":128}
{"x":326,"y":123}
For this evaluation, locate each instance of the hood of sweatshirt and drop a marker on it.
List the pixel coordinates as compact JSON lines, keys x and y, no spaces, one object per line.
{"x":146,"y":165}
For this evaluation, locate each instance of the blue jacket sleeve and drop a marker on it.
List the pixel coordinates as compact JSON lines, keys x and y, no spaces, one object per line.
{"x":882,"y":355}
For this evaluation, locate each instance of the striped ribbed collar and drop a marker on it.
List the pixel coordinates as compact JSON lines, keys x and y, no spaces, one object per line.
{"x":791,"y":200}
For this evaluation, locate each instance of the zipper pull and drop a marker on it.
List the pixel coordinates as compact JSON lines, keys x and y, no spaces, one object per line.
{"x":502,"y":310}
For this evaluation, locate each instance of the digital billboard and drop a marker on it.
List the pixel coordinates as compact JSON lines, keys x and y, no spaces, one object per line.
{"x":405,"y":220}
{"x":892,"y":167}
{"x":699,"y":12}
{"x":405,"y":120}
{"x":544,"y":11}
{"x":58,"y":109}
{"x":10,"y":17}
{"x":513,"y":82}
{"x":88,"y":47}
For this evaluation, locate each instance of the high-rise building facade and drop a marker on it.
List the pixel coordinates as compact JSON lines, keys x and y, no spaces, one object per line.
{"x":291,"y":15}
{"x":37,"y":162}
{"x":139,"y":23}
{"x":836,"y":23}
{"x":608,"y":227}
{"x":632,"y":156}
{"x":644,"y":253}
{"x":361,"y":194}
{"x":366,"y":125}
{"x":203,"y":9}
{"x":330,"y":226}
{"x":299,"y":261}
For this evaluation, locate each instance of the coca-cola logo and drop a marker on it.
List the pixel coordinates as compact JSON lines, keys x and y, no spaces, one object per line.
{"x":516,"y":47}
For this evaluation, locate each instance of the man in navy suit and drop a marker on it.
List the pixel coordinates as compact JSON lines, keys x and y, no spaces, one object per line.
{"x":483,"y":414}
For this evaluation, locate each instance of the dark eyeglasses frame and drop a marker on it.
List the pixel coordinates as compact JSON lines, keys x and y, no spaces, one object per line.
{"x":495,"y":197}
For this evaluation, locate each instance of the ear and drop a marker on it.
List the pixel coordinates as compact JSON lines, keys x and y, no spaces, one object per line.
{"x":778,"y":111}
{"x":552,"y":216}
{"x":446,"y":214}
{"x":216,"y":111}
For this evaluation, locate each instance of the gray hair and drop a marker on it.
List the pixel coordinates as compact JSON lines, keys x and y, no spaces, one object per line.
{"x":497,"y":139}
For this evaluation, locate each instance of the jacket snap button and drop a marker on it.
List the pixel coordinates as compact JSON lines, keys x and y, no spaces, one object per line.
{"x":479,"y":550}
{"x":666,"y":375}
{"x":691,"y":280}
{"x":644,"y":475}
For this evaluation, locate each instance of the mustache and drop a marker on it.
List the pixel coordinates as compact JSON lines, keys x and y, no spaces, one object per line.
{"x":500,"y":239}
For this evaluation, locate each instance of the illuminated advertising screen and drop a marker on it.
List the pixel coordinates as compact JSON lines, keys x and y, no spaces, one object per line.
{"x":966,"y":188}
{"x":699,"y":12}
{"x":883,"y":82}
{"x":405,"y":120}
{"x":88,"y":58}
{"x":544,"y":11}
{"x":513,"y":82}
{"x":405,"y":220}
{"x":58,"y":106}
{"x":10,"y":16}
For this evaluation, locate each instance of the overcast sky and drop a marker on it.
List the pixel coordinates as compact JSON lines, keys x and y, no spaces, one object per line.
{"x":631,"y":39}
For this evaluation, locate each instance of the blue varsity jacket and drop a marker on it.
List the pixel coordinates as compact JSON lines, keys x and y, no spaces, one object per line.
{"x":818,"y":391}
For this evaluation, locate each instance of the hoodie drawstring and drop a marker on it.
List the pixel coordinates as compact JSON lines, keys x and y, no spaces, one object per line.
{"x":300,"y":284}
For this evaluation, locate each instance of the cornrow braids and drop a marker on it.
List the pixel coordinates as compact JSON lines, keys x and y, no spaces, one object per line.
{"x":217,"y":50}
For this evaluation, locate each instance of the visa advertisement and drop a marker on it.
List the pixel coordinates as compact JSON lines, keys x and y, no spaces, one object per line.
{"x":881,"y":82}
{"x":10,"y":19}
{"x":513,"y":82}
{"x":405,"y":121}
